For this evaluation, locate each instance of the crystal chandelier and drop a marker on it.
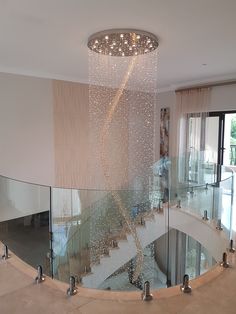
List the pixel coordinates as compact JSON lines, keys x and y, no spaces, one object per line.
{"x":122,"y":97}
{"x":122,"y":42}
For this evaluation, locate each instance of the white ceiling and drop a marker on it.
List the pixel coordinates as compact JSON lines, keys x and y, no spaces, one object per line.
{"x":47,"y":38}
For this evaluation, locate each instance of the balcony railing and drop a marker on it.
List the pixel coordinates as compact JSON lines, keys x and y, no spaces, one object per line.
{"x":120,"y":239}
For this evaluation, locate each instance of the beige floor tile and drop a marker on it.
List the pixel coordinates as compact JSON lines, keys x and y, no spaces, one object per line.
{"x":125,"y":307}
{"x":11,"y":279}
{"x":39,"y":299}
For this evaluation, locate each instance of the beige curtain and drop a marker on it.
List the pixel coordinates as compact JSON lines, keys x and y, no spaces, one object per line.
{"x":189,"y":130}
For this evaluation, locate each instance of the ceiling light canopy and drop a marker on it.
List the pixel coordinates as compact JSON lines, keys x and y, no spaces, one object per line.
{"x":122,"y":42}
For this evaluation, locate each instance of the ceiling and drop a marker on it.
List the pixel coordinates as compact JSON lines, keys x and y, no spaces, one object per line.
{"x":48,"y":38}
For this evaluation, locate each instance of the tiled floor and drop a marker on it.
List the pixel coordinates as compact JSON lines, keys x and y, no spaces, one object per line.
{"x":20,"y":295}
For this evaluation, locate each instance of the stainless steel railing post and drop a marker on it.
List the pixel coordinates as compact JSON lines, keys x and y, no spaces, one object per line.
{"x":40,"y":277}
{"x":224,"y":262}
{"x":5,"y":252}
{"x":185,"y":287}
{"x":219,"y":226}
{"x":231,"y":246}
{"x":146,"y":295}
{"x":160,"y":206}
{"x":72,"y":290}
{"x":205,"y":217}
{"x":178,"y":204}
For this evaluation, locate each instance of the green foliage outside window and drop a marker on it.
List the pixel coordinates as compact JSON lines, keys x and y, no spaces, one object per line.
{"x":233,"y":131}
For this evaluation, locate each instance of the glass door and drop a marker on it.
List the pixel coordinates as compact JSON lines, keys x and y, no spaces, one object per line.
{"x":211,"y":152}
{"x":229,"y":151}
{"x":220,"y":139}
{"x":211,"y":141}
{"x":203,"y":142}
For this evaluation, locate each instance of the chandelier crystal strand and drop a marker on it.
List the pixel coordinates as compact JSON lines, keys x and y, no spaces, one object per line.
{"x":122,"y":99}
{"x":106,"y":169}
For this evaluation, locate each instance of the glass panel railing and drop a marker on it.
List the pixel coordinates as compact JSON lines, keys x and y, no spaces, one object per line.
{"x":191,"y":172}
{"x":110,"y":243}
{"x":20,"y":199}
{"x":191,"y":244}
{"x":195,"y":199}
{"x":206,"y":195}
{"x":104,"y":223}
{"x":223,"y":201}
{"x":24,"y":221}
{"x":119,"y":239}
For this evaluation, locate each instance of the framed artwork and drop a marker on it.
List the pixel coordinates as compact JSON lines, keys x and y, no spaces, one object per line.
{"x":164,"y":132}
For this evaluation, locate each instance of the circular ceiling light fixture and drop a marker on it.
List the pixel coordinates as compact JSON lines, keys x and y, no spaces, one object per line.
{"x":122,"y":42}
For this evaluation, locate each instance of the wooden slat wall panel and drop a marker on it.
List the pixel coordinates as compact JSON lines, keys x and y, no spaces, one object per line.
{"x":71,"y":126}
{"x":129,"y":147}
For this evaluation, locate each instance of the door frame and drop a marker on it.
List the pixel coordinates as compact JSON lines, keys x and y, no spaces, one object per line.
{"x":221,"y":133}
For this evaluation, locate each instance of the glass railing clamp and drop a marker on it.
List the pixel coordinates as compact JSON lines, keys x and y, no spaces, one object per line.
{"x":5,"y":252}
{"x":40,"y":278}
{"x":72,"y":290}
{"x":146,"y":295}
{"x":231,"y":246}
{"x":224,"y":262}
{"x":185,"y":287}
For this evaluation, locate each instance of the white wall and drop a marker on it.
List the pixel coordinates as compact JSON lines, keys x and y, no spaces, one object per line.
{"x":26,"y":129}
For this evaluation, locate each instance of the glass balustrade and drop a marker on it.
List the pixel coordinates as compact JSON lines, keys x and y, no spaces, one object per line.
{"x":24,"y":221}
{"x":118,"y":239}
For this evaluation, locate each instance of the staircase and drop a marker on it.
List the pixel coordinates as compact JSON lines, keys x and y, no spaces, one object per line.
{"x":152,"y":227}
